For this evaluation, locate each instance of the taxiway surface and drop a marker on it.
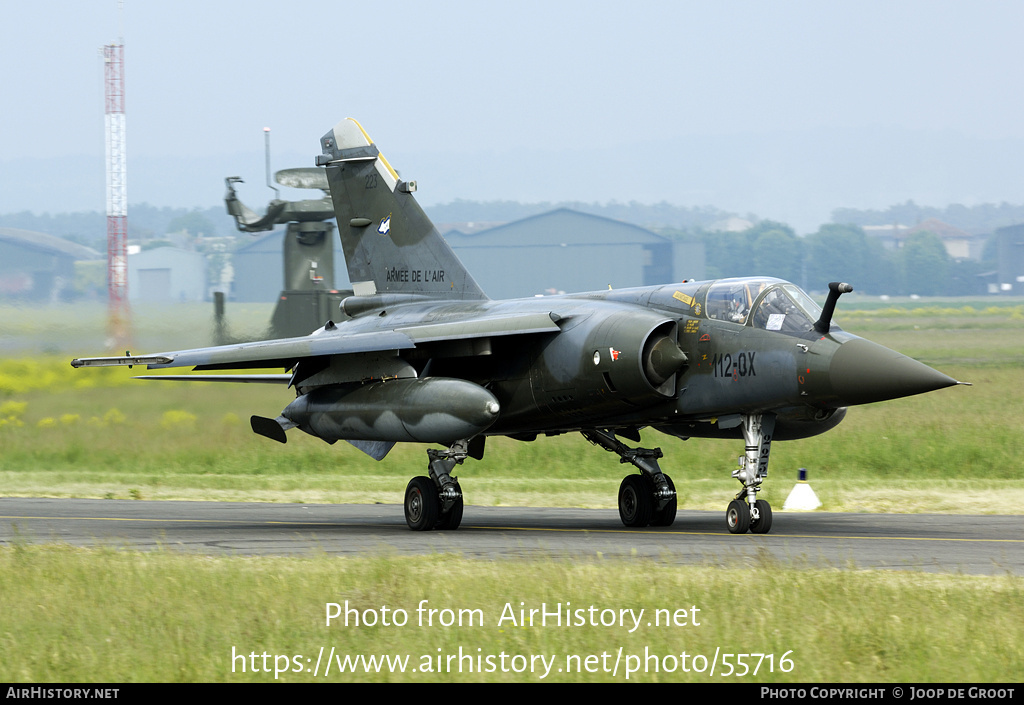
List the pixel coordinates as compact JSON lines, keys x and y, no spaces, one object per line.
{"x":948,"y":543}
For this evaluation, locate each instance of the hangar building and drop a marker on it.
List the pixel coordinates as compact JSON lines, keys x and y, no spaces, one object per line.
{"x":568,"y":251}
{"x":559,"y":251}
{"x":38,"y":267}
{"x":166,"y":275}
{"x":1010,"y":244}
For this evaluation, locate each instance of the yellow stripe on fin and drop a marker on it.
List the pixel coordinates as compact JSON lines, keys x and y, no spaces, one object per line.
{"x":383,"y":159}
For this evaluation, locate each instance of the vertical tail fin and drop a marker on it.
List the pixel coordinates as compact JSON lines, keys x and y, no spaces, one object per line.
{"x":390,"y":245}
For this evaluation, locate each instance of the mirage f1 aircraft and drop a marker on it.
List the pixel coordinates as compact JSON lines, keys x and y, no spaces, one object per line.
{"x":424,"y":356}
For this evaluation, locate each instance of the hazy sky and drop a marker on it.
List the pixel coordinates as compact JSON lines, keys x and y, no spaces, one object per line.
{"x":605,"y":99}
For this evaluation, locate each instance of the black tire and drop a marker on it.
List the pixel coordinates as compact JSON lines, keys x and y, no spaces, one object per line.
{"x":421,"y":504}
{"x":636,"y":503}
{"x":764,"y":523}
{"x":451,"y":519}
{"x":667,"y":514}
{"x":737,"y":517}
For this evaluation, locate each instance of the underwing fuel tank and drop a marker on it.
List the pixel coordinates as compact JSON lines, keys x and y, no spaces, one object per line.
{"x":431,"y":410}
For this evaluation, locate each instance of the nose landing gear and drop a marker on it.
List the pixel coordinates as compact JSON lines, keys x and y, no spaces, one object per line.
{"x":746,"y":512}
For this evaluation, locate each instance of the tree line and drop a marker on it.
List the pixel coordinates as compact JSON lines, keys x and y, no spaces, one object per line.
{"x":846,"y":253}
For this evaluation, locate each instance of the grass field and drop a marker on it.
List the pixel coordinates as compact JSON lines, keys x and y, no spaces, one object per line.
{"x":106,"y":615}
{"x":117,"y":616}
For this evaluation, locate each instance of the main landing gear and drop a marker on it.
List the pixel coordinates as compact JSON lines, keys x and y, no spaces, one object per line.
{"x":746,"y":512}
{"x":647,"y":499}
{"x":435,"y":502}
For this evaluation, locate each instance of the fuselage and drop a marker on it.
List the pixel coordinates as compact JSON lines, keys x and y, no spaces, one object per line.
{"x":688,"y":359}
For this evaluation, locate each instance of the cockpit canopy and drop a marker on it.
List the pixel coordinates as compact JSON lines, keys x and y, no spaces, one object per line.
{"x":776,"y":304}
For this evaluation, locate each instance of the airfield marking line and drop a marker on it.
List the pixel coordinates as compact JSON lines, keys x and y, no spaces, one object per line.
{"x":899,"y":538}
{"x":712,"y":533}
{"x":193,"y":521}
{"x":179,"y":521}
{"x":524,"y":528}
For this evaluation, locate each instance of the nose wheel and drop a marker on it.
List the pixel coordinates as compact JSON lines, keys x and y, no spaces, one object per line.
{"x":740,"y":519}
{"x":746,"y":512}
{"x":737,"y":517}
{"x":763,"y":523}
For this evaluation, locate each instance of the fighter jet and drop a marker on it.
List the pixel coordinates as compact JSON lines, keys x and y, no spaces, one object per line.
{"x":422,"y":355}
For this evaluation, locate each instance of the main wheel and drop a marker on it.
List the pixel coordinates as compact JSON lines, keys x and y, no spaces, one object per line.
{"x":636,"y":503}
{"x":421,"y":504}
{"x":764,"y":521}
{"x":737,"y":516}
{"x":667,"y":514}
{"x":453,"y":517}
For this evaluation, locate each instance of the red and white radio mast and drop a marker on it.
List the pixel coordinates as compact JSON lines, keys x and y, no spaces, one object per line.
{"x":117,"y":194}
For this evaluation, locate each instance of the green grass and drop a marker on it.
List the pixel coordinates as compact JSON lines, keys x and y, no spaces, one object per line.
{"x":103,"y":615}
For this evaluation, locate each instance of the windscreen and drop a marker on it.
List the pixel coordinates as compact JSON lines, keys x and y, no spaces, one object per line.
{"x":785,"y":308}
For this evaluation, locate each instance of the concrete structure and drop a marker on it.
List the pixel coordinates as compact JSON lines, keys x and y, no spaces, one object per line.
{"x":959,"y":244}
{"x":1010,"y":244}
{"x":568,"y":251}
{"x":38,"y":267}
{"x":166,"y":275}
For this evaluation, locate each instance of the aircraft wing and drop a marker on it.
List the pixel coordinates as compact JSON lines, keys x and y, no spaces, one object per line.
{"x":284,"y":353}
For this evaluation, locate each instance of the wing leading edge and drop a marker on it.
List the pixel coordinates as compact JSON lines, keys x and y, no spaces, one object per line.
{"x":262,"y":354}
{"x":328,"y":341}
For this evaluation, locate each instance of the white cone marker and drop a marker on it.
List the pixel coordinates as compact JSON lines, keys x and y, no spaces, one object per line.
{"x":802,"y":498}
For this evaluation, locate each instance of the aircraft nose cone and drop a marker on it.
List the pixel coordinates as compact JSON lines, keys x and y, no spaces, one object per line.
{"x":862,"y":372}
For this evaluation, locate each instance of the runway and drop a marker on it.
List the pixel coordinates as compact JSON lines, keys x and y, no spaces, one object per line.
{"x":930,"y":542}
